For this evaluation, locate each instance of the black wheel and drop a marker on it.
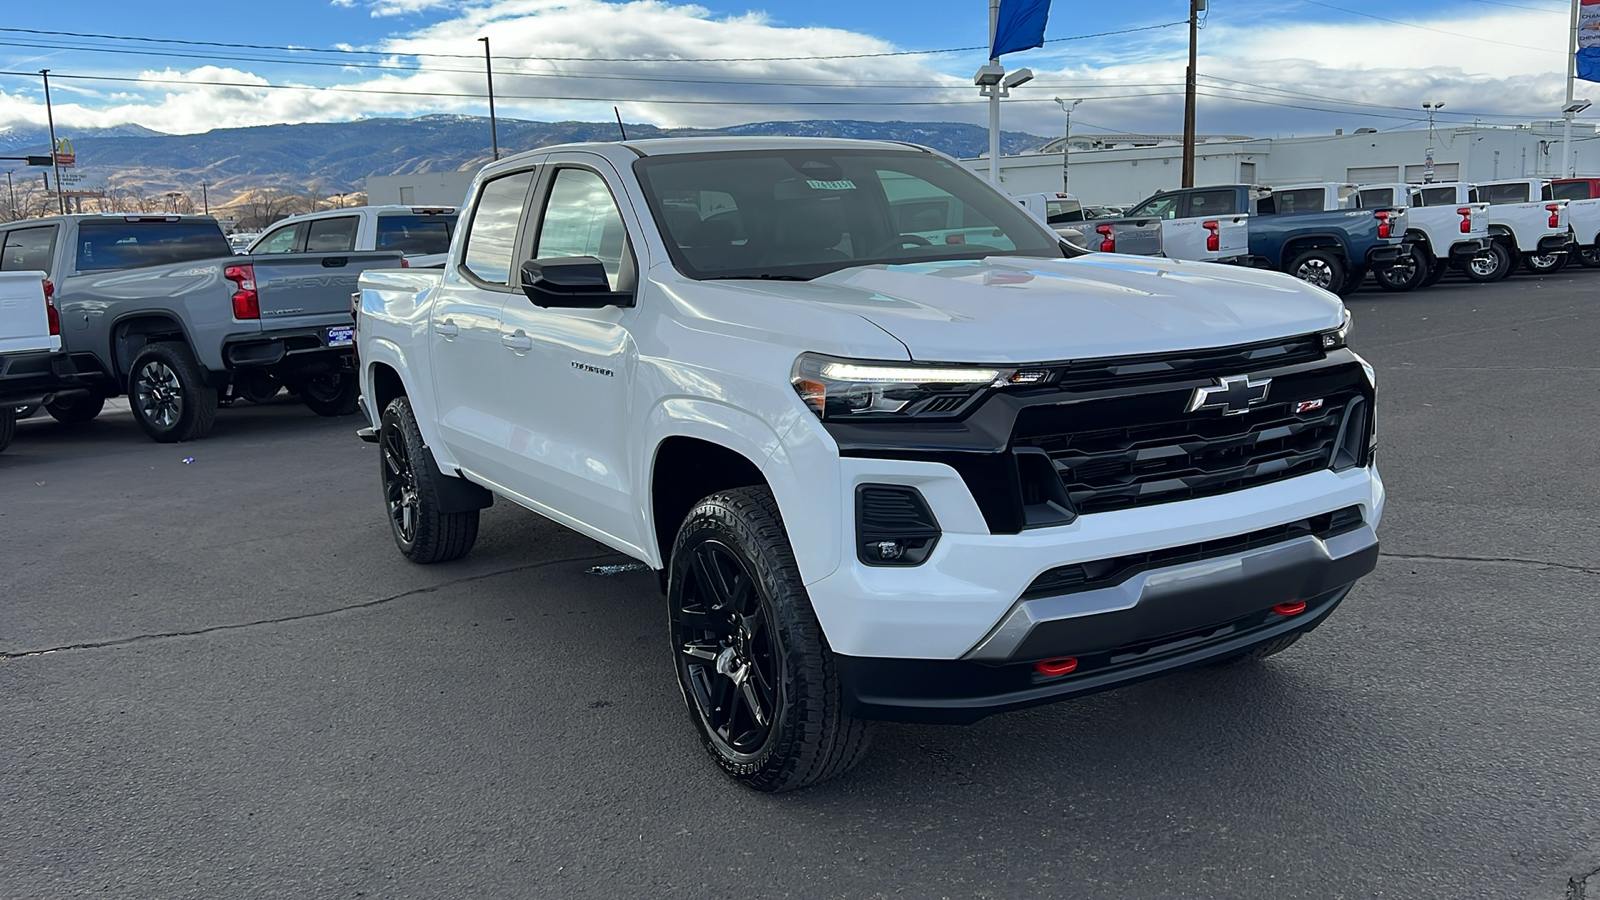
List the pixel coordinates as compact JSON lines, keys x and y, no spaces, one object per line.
{"x":257,"y":387}
{"x":26,"y":412}
{"x":74,"y":410}
{"x":1436,"y":270}
{"x":1321,"y":268}
{"x":1260,"y":651}
{"x":333,"y":394}
{"x":1589,"y":257}
{"x":1407,"y":274}
{"x":1544,"y":263}
{"x":1353,"y":280}
{"x":411,"y":494}
{"x":1492,"y":264}
{"x":757,"y":674}
{"x":8,"y":426}
{"x":169,"y":395}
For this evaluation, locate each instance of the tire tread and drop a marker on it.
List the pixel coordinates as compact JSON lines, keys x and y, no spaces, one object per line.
{"x":441,"y":536}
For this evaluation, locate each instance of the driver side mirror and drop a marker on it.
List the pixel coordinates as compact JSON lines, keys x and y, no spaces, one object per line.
{"x":570,"y":282}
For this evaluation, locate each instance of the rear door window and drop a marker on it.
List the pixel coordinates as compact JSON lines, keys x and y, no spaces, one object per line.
{"x":492,"y":233}
{"x":1570,"y":190}
{"x":1305,"y":200}
{"x":24,"y":249}
{"x":120,"y":244}
{"x":1211,"y":203}
{"x":335,"y":235}
{"x":415,"y":235}
{"x":1376,"y":198}
{"x":1505,"y":193}
{"x":581,"y":219}
{"x":1444,"y":196}
{"x":1159,"y":207}
{"x":282,"y":240}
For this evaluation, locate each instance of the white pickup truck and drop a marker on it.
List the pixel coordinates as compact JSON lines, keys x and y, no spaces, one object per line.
{"x":422,"y":233}
{"x":1064,"y":214}
{"x":1207,"y":225}
{"x":880,"y":475}
{"x":33,"y":368}
{"x":1444,"y":230}
{"x":1529,"y":223}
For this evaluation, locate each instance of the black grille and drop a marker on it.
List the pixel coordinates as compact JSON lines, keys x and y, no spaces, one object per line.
{"x":1121,"y":453}
{"x":1107,"y":572}
{"x":1129,"y":371}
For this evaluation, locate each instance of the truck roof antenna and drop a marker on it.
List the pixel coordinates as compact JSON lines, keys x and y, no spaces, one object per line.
{"x":619,"y":123}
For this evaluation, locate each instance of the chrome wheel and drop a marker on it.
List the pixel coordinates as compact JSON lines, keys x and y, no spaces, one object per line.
{"x":158,"y":393}
{"x":399,"y":485}
{"x":1315,"y":272}
{"x":726,"y":650}
{"x":1484,"y":265}
{"x":1545,"y":261}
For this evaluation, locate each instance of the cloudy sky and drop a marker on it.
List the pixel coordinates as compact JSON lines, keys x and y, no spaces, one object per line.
{"x":1268,"y":67}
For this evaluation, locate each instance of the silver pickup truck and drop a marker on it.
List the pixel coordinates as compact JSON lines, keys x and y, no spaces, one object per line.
{"x":158,"y":308}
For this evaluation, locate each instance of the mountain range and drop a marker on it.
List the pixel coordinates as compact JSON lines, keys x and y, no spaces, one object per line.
{"x":338,"y":156}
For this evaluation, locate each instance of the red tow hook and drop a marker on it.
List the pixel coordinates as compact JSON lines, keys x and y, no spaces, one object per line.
{"x":1052,"y":668}
{"x":1290,"y":609}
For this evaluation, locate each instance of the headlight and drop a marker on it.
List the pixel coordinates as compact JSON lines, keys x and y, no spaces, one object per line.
{"x":847,"y":389}
{"x":1333,"y":340}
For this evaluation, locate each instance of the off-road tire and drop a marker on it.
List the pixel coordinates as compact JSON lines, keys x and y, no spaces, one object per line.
{"x":428,"y":536}
{"x":809,"y":739}
{"x":8,"y":426}
{"x":1260,"y":651}
{"x":75,"y":410}
{"x":1589,"y":257}
{"x":1399,"y":279}
{"x":331,"y":395}
{"x":172,"y":366}
{"x":1478,"y":270}
{"x":1317,"y":266}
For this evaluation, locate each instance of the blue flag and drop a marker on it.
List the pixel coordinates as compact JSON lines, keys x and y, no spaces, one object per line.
{"x":1588,"y":62}
{"x":1020,"y":26}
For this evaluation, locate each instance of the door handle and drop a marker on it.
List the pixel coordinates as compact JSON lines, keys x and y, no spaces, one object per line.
{"x":519,"y":342}
{"x":447,"y":329}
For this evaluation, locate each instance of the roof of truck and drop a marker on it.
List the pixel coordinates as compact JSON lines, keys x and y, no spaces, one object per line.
{"x":621,"y":151}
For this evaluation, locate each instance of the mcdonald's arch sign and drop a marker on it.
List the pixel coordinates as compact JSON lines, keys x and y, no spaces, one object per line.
{"x":65,"y":158}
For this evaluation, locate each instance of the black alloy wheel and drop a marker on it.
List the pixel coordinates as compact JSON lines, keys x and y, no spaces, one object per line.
{"x":411,"y":485}
{"x":727,"y":658}
{"x":168,"y":394}
{"x":399,"y":486}
{"x":1436,"y":270}
{"x":1406,"y":274}
{"x":1589,"y":257}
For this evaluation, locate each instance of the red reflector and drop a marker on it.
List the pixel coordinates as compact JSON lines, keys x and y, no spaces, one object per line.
{"x":1290,"y":609}
{"x":246,"y":303}
{"x":405,"y":263}
{"x":1465,"y":213}
{"x":1108,"y":243}
{"x":1061,"y":665}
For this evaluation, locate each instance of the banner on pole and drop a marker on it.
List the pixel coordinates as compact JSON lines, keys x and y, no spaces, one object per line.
{"x":1588,"y":62}
{"x":1020,"y":26}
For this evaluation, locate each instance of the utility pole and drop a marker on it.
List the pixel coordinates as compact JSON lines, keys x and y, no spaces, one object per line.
{"x":55,"y":159}
{"x":1066,"y":145}
{"x":205,"y":197}
{"x":1196,"y":7}
{"x":1427,"y":162}
{"x":12,"y":190}
{"x":1572,"y":107}
{"x":488,"y":75}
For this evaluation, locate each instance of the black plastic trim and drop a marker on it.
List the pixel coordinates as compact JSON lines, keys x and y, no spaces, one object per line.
{"x":918,"y":533}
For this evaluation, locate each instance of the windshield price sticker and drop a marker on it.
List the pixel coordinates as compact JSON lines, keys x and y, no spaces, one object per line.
{"x":831,"y":185}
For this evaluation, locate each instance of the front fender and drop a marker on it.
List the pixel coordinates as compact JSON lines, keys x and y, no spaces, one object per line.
{"x":382,"y":351}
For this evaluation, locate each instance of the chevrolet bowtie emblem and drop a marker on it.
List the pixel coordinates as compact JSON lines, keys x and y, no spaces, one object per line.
{"x":1234,"y":395}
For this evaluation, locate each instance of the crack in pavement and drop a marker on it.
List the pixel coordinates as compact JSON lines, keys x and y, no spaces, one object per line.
{"x":1577,"y":886}
{"x":1503,"y":560}
{"x":234,"y":626}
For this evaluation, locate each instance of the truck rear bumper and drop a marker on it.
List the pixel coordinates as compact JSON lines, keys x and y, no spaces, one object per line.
{"x":30,"y":378}
{"x":1385,"y":255}
{"x":270,"y":348}
{"x":1465,"y":250}
{"x":1557,"y":243}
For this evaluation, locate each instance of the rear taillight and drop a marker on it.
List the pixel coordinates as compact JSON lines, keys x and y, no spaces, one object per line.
{"x":246,"y":304}
{"x":49,"y":289}
{"x":55,"y":317}
{"x":1385,"y":228}
{"x":1555,"y":214}
{"x":405,"y":263}
{"x":1213,"y":239}
{"x":1465,"y":213}
{"x":1108,"y":240}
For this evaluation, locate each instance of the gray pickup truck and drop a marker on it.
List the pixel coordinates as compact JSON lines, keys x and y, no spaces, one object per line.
{"x":158,"y":308}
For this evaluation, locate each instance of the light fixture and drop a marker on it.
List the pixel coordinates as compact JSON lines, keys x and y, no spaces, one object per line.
{"x":989,"y":75}
{"x":1018,"y":78}
{"x":1575,"y":107}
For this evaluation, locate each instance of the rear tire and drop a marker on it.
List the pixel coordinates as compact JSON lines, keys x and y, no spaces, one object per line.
{"x":75,"y":410}
{"x":169,"y":395}
{"x":758,"y":677}
{"x":331,"y":395}
{"x":8,"y":426}
{"x":1589,"y":257}
{"x":1544,"y":263}
{"x":1319,"y":268}
{"x":1407,"y":274}
{"x":1436,"y":271}
{"x":424,"y":534}
{"x":1492,"y":264}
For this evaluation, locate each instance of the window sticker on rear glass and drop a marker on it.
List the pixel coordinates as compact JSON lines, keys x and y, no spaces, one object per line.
{"x":831,"y":185}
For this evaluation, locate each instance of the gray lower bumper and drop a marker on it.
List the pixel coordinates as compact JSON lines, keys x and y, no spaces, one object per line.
{"x":1179,"y":598}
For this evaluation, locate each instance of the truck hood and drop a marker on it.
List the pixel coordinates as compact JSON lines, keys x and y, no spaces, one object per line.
{"x":1007,"y":309}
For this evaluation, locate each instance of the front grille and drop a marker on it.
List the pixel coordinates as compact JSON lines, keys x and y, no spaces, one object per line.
{"x":1125,"y":452}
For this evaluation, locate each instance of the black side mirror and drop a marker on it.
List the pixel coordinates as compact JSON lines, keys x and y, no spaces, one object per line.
{"x":575,"y":282}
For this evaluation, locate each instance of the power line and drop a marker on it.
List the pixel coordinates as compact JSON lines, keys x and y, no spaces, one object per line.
{"x":1469,"y":37}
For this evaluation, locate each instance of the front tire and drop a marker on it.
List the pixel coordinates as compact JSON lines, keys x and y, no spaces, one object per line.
{"x":168,"y":394}
{"x":1319,"y":268}
{"x":1492,"y":264}
{"x":1407,"y":274}
{"x":424,"y":533}
{"x":331,"y":395}
{"x":75,"y":410}
{"x":758,"y":677}
{"x":8,"y":426}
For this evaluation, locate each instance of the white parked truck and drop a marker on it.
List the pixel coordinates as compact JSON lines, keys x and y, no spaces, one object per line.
{"x":1444,"y":230}
{"x":1064,"y":214}
{"x":421,"y":233}
{"x":881,"y":475}
{"x":1207,"y":225}
{"x":33,"y":368}
{"x":1529,"y":223}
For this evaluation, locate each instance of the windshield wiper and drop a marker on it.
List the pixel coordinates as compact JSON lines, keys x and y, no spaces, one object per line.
{"x":756,"y":276}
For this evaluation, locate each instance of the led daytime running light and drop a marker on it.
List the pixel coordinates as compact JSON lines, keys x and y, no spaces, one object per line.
{"x":839,"y":371}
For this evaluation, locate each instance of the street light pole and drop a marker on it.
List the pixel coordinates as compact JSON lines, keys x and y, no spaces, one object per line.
{"x":1568,"y":111}
{"x":488,"y":76}
{"x":994,"y":100}
{"x":55,"y":159}
{"x":1427,"y":163}
{"x":1195,"y":8}
{"x":1066,"y":145}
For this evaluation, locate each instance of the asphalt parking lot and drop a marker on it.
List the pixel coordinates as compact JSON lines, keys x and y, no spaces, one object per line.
{"x":220,"y":679}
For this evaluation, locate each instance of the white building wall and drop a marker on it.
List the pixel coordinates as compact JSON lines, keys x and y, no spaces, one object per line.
{"x":429,"y":189}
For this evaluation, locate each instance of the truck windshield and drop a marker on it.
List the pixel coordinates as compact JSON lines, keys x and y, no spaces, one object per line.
{"x":416,"y":235}
{"x":122,"y":244}
{"x":802,"y":214}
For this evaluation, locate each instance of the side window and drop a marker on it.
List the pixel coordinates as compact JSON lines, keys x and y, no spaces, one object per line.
{"x":1438,"y":196}
{"x":27,"y":248}
{"x":1160,"y":207}
{"x":335,"y":235}
{"x":1547,"y":193}
{"x":492,"y":233}
{"x":283,"y":240}
{"x":1301,"y":201}
{"x":1505,"y":193}
{"x":1211,"y":203}
{"x":1376,"y":198}
{"x":581,"y":219}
